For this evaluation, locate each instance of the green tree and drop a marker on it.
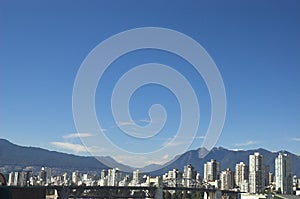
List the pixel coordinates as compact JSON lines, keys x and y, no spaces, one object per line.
{"x":197,"y":195}
{"x":178,"y":195}
{"x":279,"y":191}
{"x":268,"y":191}
{"x":167,"y":195}
{"x":185,"y":195}
{"x":174,"y":196}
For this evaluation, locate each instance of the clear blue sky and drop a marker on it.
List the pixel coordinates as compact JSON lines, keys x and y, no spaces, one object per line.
{"x":255,"y":44}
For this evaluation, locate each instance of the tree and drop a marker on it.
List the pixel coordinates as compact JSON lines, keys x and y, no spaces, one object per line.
{"x":279,"y":191}
{"x":174,"y":196}
{"x":177,"y":195}
{"x":167,"y":195}
{"x":185,"y":195}
{"x":197,"y":195}
{"x":268,"y":190}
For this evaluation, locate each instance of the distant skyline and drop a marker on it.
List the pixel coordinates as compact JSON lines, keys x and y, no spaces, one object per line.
{"x":256,"y":46}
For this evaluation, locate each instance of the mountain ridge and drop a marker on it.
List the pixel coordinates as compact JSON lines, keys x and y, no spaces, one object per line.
{"x":15,"y":156}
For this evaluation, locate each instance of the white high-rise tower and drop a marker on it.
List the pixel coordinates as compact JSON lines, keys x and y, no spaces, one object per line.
{"x":241,"y":176}
{"x":256,"y":173}
{"x":211,"y":171}
{"x":226,"y":179}
{"x":283,"y":173}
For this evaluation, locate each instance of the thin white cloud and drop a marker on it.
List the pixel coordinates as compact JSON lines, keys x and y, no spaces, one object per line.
{"x":135,"y":122}
{"x":169,"y":143}
{"x":200,"y":137}
{"x":236,"y":149}
{"x":296,"y":139}
{"x":128,"y":123}
{"x":174,"y":144}
{"x":145,"y":120}
{"x":78,"y":135}
{"x":250,"y":142}
{"x":182,"y":141}
{"x":77,"y":148}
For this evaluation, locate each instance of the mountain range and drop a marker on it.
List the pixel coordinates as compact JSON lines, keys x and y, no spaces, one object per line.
{"x":13,"y":156}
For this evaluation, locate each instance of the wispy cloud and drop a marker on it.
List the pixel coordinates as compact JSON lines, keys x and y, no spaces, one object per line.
{"x":174,"y":143}
{"x":127,"y":123}
{"x":296,"y":139}
{"x":145,"y":120}
{"x":236,"y":149}
{"x":77,"y":148}
{"x":250,"y":142}
{"x":135,"y":122}
{"x":78,"y":135}
{"x":200,"y":137}
{"x":182,"y":141}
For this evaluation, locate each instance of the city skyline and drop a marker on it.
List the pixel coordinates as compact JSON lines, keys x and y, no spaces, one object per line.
{"x":255,"y":47}
{"x":219,"y":159}
{"x":255,"y":179}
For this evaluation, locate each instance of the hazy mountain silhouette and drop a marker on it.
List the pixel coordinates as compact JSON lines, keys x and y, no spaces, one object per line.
{"x":14,"y":155}
{"x":227,"y":158}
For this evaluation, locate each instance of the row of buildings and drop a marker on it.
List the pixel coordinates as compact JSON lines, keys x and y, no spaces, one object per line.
{"x":255,"y":178}
{"x":27,"y":178}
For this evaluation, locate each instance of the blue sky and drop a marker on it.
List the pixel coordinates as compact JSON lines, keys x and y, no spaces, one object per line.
{"x":255,"y":44}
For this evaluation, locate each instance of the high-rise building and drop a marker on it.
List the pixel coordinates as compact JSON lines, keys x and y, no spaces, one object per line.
{"x":42,"y":176}
{"x":241,"y":174}
{"x":45,"y":175}
{"x":226,"y":180}
{"x":65,"y":177}
{"x":126,"y":181}
{"x":295,"y":182}
{"x":16,"y":178}
{"x":85,"y":177}
{"x":198,"y":178}
{"x":153,"y":181}
{"x":136,"y":177}
{"x":271,"y":178}
{"x":19,"y":178}
{"x":11,"y":177}
{"x":244,"y":187}
{"x":189,"y":176}
{"x":48,"y":175}
{"x":75,"y":177}
{"x":173,"y":178}
{"x":103,"y":174}
{"x":113,"y":177}
{"x":267,"y":171}
{"x":256,"y":173}
{"x":283,"y":173}
{"x":211,"y":171}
